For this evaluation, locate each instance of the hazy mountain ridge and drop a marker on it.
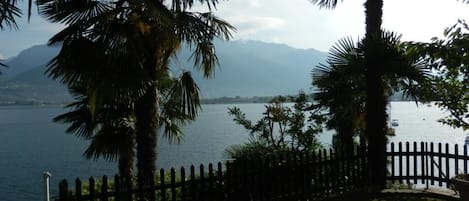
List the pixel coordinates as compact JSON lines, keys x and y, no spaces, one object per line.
{"x":247,"y":68}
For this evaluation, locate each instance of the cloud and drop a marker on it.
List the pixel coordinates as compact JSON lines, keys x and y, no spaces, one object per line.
{"x":249,"y":25}
{"x":1,"y":56}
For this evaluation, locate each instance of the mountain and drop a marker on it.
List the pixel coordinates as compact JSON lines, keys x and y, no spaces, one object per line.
{"x":38,"y":55}
{"x":247,"y":68}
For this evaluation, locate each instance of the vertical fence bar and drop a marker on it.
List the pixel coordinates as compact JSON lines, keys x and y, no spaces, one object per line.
{"x":117,"y":188}
{"x":432,"y":166}
{"x":193,"y":184}
{"x":162,"y":185}
{"x":303,"y":176}
{"x":211,"y":185}
{"x":440,"y":173}
{"x":219,"y":182}
{"x":91,"y":189}
{"x":415,"y":153}
{"x":320,"y":173}
{"x":202,"y":182}
{"x":447,"y":164}
{"x":268,"y":188}
{"x":315,"y":176}
{"x":296,"y":178}
{"x":393,"y":162}
{"x":427,"y":164}
{"x":63,"y":190}
{"x":456,"y":160}
{"x":104,"y":193}
{"x":173,"y":184}
{"x":465,"y":159}
{"x":228,"y":179}
{"x":326,"y":172}
{"x":400,"y":162}
{"x":183,"y":184}
{"x":407,"y":162}
{"x":422,"y":162}
{"x":78,"y":192}
{"x":332,"y":171}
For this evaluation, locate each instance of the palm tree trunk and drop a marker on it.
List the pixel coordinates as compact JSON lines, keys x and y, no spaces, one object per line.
{"x":126,"y":160}
{"x":345,"y":133}
{"x":126,"y":163}
{"x":375,"y":99}
{"x":146,"y":136}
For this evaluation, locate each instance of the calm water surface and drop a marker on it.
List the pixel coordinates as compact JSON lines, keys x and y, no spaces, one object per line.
{"x":30,"y":143}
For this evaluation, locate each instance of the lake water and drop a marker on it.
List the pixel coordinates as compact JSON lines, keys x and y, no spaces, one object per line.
{"x":30,"y":143}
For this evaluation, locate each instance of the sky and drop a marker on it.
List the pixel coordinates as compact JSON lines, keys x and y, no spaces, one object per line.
{"x":297,"y":23}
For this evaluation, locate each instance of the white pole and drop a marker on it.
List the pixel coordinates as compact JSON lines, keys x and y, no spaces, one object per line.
{"x":46,"y":175}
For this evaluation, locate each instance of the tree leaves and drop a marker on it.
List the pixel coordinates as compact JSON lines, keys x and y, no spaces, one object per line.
{"x":448,"y":59}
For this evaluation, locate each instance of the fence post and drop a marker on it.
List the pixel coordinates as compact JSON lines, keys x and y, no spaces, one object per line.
{"x":63,"y":190}
{"x":183,"y":184}
{"x":173,"y":184}
{"x":104,"y":186}
{"x":91,"y":189}
{"x":46,"y":176}
{"x":78,"y":193}
{"x":426,"y":164}
{"x":432,"y":169}
{"x":400,"y":162}
{"x":422,"y":162}
{"x":162,"y":185}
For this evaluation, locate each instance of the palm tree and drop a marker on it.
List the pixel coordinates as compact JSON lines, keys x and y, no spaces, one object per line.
{"x":375,"y":99}
{"x":138,"y":38}
{"x":340,"y":85}
{"x":112,"y":128}
{"x":341,"y":82}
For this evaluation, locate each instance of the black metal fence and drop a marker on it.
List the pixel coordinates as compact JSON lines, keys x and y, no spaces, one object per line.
{"x":286,"y":177}
{"x":428,"y":164}
{"x":313,"y":176}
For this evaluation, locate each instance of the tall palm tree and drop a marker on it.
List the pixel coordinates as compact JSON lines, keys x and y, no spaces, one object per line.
{"x":375,"y":99}
{"x":137,"y":37}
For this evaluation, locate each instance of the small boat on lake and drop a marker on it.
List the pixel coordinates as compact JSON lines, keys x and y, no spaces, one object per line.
{"x":394,"y":122}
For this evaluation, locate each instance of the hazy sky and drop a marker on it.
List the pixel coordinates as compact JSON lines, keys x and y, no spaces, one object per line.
{"x":297,"y":23}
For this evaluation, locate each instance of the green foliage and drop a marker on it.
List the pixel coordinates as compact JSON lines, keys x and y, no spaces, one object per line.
{"x":450,"y":82}
{"x":281,"y":129}
{"x":341,"y":81}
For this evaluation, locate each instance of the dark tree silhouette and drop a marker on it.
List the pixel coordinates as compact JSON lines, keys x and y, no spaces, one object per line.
{"x":137,"y":41}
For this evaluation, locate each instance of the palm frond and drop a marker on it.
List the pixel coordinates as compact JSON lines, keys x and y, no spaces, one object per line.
{"x":72,"y":11}
{"x":183,"y":5}
{"x":172,"y":131}
{"x":184,"y":96}
{"x":109,"y":142}
{"x":329,"y":4}
{"x":8,"y":12}
{"x":205,"y":58}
